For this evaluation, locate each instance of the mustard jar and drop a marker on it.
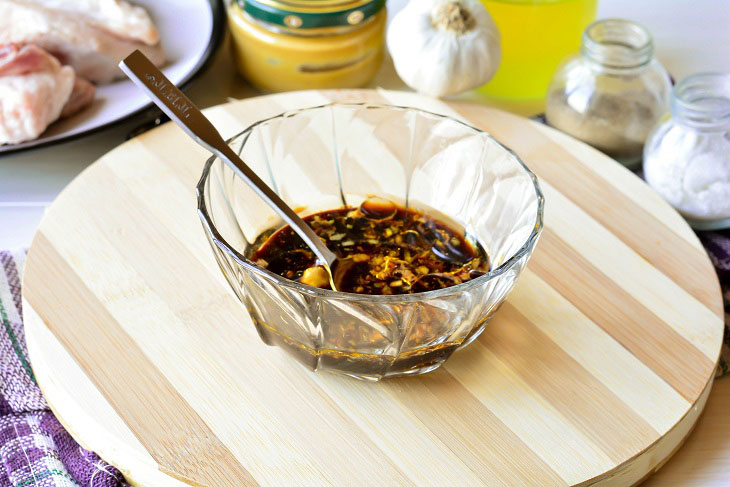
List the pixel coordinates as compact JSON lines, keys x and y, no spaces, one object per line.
{"x":283,"y":45}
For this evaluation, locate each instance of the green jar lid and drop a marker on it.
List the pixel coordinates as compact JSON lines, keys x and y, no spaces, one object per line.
{"x":311,"y":14}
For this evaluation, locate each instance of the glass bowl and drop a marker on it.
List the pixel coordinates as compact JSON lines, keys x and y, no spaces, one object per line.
{"x":323,"y":157}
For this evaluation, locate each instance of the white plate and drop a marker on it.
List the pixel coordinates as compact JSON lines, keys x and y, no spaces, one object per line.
{"x":190,"y":31}
{"x":703,"y":225}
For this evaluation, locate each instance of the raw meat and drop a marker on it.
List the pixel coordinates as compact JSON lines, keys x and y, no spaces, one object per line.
{"x":91,"y":49}
{"x":82,"y":95}
{"x":34,"y":89}
{"x":119,"y":17}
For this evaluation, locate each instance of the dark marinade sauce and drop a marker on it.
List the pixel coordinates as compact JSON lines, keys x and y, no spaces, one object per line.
{"x":393,"y":250}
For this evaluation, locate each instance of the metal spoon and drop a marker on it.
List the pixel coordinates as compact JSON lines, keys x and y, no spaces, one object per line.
{"x":183,"y":112}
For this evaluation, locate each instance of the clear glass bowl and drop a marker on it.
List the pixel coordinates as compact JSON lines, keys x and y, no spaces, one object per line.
{"x":319,"y":158}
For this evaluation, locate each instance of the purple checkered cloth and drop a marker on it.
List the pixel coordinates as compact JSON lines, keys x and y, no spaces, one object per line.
{"x":35,"y":450}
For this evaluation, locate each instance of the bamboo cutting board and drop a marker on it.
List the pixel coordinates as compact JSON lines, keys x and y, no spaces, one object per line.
{"x":592,"y":373}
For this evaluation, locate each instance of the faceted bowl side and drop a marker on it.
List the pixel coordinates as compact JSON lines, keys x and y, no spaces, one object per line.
{"x":324,"y":157}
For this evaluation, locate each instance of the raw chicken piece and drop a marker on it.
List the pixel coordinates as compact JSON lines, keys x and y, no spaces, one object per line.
{"x":82,"y":96}
{"x":117,"y":16}
{"x":16,"y":60}
{"x":34,"y":88}
{"x":92,"y":51}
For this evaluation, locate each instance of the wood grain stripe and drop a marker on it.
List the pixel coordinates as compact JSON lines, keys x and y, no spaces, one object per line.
{"x":564,"y":383}
{"x":528,"y":414}
{"x":646,"y":393}
{"x":364,"y":403}
{"x":170,"y":430}
{"x":624,"y":182}
{"x":618,"y":262}
{"x":639,"y":330}
{"x":656,"y":242}
{"x":461,"y":422}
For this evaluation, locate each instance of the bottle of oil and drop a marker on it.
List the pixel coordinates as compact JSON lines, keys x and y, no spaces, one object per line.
{"x":536,"y":36}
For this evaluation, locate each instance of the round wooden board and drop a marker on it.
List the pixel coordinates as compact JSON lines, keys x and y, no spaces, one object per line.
{"x":592,"y":373}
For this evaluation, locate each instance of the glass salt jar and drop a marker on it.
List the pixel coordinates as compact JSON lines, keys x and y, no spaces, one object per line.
{"x":687,"y":155}
{"x":611,"y":94}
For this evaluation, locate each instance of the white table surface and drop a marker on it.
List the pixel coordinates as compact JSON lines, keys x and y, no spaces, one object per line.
{"x":690,"y":35}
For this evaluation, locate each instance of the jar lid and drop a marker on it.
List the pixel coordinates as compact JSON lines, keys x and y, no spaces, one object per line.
{"x":311,"y":14}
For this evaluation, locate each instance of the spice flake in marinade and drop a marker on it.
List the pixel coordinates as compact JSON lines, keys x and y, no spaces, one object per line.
{"x":393,"y":250}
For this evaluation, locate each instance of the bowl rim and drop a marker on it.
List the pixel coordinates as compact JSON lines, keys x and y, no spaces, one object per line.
{"x":221,"y":242}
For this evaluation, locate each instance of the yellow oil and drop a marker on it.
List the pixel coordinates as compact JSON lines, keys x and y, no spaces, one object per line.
{"x":536,"y":36}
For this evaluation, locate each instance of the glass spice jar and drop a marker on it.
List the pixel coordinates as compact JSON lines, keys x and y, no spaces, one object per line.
{"x":283,"y":45}
{"x":612,"y":94}
{"x":687,"y":155}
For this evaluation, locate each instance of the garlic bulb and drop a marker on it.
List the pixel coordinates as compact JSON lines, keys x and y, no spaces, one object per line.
{"x":443,"y":47}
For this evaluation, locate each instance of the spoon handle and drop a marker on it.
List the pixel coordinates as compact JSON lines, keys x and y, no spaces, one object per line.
{"x":183,"y":112}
